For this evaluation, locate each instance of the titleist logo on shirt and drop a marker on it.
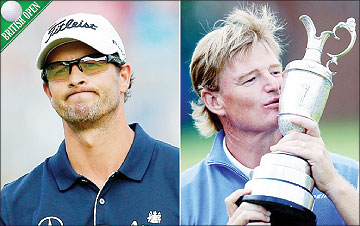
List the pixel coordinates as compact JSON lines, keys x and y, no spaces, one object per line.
{"x":62,"y":25}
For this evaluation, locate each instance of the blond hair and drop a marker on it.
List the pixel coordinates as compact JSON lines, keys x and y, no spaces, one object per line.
{"x":238,"y":33}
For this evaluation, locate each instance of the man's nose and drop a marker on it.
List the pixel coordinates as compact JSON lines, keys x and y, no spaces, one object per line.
{"x":76,"y":76}
{"x":273,"y":83}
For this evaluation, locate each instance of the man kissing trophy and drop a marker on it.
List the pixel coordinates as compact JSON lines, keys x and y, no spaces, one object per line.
{"x":282,"y":183}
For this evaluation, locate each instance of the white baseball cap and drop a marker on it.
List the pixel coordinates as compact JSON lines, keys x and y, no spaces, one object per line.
{"x":93,"y":30}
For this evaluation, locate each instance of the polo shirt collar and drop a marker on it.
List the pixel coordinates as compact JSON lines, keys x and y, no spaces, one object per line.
{"x":139,"y":156}
{"x":64,"y":174}
{"x":217,"y":155}
{"x":133,"y":167}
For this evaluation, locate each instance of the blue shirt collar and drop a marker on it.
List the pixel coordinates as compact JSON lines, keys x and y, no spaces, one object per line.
{"x":64,"y":174}
{"x":139,"y":156}
{"x":133,"y":167}
{"x":217,"y":155}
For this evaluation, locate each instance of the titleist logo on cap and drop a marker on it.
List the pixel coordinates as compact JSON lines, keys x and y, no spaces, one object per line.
{"x":62,"y":25}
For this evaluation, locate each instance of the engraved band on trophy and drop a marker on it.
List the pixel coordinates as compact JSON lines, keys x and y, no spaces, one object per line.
{"x":282,"y":182}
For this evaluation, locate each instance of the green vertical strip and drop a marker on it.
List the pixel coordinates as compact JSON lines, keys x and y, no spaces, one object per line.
{"x":10,"y":30}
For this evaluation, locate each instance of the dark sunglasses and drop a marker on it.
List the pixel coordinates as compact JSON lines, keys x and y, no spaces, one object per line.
{"x":90,"y":64}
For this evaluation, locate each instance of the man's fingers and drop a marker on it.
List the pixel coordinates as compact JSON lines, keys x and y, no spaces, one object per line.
{"x":258,"y":223}
{"x":298,"y":136}
{"x":236,"y":194}
{"x":249,"y":207}
{"x":231,"y":200}
{"x":311,"y":126}
{"x":246,"y":211}
{"x":249,"y":212}
{"x":312,"y":151}
{"x":254,"y":217}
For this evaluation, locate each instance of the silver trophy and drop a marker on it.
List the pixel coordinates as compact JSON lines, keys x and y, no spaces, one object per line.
{"x":282,"y":182}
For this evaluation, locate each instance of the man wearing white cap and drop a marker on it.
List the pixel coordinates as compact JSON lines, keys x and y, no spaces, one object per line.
{"x":105,"y":171}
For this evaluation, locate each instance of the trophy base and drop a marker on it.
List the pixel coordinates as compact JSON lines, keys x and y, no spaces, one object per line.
{"x":283,"y":212}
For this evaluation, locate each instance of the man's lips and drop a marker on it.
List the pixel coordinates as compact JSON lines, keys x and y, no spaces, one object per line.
{"x":79,"y":92}
{"x":273,"y":103}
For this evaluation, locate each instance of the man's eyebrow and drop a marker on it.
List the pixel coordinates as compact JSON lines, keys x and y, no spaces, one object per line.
{"x":275,"y":65}
{"x":255,"y":70}
{"x":248,"y":73}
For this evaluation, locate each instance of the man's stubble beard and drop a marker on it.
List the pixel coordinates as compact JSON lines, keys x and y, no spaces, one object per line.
{"x":84,"y":115}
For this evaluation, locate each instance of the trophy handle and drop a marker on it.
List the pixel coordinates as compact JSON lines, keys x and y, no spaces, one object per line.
{"x":350,"y":26}
{"x":314,"y":44}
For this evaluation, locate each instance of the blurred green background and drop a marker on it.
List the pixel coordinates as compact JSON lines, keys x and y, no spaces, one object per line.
{"x":340,"y":137}
{"x":339,"y":124}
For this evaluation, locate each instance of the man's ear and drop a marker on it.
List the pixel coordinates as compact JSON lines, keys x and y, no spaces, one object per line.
{"x":213,"y":101}
{"x":125,"y":75}
{"x":47,"y":91}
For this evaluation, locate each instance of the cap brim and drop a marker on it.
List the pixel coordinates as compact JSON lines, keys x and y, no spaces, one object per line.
{"x":41,"y":58}
{"x":45,"y":52}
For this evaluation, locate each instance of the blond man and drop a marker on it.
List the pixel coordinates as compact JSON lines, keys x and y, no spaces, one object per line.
{"x":237,"y":74}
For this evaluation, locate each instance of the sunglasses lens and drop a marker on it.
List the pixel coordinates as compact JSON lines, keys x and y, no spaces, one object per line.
{"x":57,"y":71}
{"x":92,"y":65}
{"x":89,"y":65}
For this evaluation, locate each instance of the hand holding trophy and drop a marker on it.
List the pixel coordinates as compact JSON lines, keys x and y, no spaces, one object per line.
{"x":282,"y":183}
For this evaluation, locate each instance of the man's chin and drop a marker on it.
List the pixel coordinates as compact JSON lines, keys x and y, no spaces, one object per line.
{"x":81,"y":122}
{"x":80,"y":114}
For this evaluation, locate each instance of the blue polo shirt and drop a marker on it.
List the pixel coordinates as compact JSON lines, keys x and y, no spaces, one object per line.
{"x":205,"y":186}
{"x":144,"y":191}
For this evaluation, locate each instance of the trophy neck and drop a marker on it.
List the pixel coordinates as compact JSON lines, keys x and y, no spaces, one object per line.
{"x":315,"y":44}
{"x":313,"y":53}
